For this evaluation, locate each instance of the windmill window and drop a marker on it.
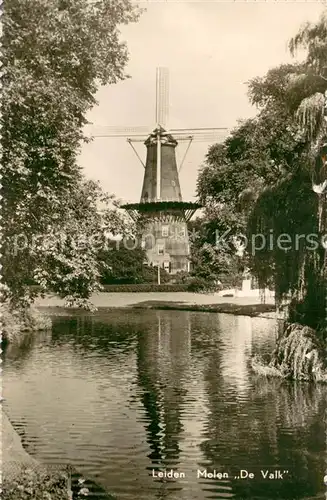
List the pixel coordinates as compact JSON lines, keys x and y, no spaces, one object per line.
{"x":160,"y":249}
{"x":165,"y":231}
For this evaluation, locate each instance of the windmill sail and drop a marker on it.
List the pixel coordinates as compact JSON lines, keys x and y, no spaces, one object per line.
{"x":162,"y":211}
{"x":162,"y":96}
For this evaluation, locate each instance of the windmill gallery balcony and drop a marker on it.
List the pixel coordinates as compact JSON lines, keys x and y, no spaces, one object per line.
{"x":161,"y":214}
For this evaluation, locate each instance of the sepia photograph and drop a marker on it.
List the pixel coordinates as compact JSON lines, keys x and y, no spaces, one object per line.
{"x":164,"y":250}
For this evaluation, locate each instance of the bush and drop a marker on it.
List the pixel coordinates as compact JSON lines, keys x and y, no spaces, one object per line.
{"x":201,"y":285}
{"x":15,"y":323}
{"x":120,"y":265}
{"x":145,"y":287}
{"x":299,"y":355}
{"x":52,"y":483}
{"x":181,"y":278}
{"x":136,"y":275}
{"x":231,"y":280}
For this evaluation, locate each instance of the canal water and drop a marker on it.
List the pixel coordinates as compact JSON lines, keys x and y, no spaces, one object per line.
{"x":125,"y":394}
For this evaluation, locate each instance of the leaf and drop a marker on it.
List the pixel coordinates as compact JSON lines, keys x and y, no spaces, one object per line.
{"x":310,"y":115}
{"x":54,"y":55}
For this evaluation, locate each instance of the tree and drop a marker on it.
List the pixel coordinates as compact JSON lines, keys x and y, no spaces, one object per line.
{"x":55,"y":55}
{"x":214,"y":256}
{"x":312,"y":110}
{"x":258,"y":153}
{"x":266,"y":171}
{"x":312,"y":115}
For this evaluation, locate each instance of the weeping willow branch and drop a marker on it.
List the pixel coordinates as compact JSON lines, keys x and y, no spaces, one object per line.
{"x":310,"y":115}
{"x":299,"y":355}
{"x":289,"y":210}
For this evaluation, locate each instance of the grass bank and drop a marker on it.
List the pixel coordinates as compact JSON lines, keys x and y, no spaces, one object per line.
{"x":225,"y":307}
{"x":17,"y":324}
{"x":25,"y":478}
{"x":185,"y":301}
{"x":300,"y":354}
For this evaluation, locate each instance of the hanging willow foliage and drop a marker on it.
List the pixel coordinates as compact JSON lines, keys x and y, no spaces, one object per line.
{"x":310,"y":115}
{"x":285,"y":219}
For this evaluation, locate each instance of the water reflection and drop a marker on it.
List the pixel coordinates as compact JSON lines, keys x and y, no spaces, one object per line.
{"x":163,"y":364}
{"x":120,"y":393}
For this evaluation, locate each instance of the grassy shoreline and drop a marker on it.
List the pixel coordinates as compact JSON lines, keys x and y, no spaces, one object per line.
{"x":182,"y":301}
{"x":25,"y":477}
{"x":252,"y":310}
{"x":18,"y":324}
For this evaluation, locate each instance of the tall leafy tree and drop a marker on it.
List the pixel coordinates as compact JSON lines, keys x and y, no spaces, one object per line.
{"x":270,"y":171}
{"x":55,"y":55}
{"x":312,"y":110}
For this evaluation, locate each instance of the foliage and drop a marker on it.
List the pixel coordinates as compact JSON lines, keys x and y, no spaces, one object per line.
{"x":198,"y":284}
{"x":213,"y":255}
{"x":14,"y":323}
{"x":64,"y":259}
{"x":265,"y":176}
{"x":55,"y":55}
{"x":121,"y":263}
{"x":146,"y":287}
{"x":52,"y":483}
{"x":260,"y":152}
{"x":195,"y":282}
{"x":181,"y":278}
{"x":257,"y":154}
{"x":313,"y":38}
{"x":36,"y":484}
{"x":298,"y":355}
{"x":275,"y":213}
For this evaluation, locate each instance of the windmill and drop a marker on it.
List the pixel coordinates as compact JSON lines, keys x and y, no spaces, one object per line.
{"x":161,"y":212}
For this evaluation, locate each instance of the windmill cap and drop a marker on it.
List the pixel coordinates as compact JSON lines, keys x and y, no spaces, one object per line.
{"x":165,"y":137}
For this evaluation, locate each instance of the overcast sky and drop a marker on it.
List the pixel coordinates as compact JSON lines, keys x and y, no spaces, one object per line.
{"x":211,"y":50}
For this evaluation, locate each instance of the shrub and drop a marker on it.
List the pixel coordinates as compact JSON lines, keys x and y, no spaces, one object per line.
{"x":181,"y":278}
{"x":201,"y":285}
{"x":121,"y":265}
{"x":145,"y":287}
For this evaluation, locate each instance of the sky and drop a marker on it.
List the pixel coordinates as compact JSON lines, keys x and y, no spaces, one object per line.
{"x":211,"y":49}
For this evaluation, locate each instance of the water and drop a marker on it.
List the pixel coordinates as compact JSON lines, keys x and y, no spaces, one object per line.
{"x":127,"y":393}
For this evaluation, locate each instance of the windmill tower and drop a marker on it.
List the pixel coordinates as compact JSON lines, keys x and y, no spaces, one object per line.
{"x":161,"y":211}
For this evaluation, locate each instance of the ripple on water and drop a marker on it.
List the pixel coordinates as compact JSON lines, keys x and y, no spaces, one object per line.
{"x":124,"y":393}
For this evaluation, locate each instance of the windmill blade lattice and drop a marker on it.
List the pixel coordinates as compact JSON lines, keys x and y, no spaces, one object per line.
{"x":161,"y":209}
{"x":107,"y":131}
{"x":162,"y":96}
